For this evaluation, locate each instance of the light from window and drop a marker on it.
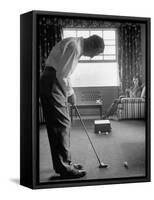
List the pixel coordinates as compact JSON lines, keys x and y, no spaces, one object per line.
{"x":95,"y":75}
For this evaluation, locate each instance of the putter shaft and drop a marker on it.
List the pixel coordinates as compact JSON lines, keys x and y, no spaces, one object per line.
{"x":87,"y":133}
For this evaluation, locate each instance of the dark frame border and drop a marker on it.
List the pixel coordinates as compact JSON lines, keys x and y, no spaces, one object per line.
{"x":29,"y":140}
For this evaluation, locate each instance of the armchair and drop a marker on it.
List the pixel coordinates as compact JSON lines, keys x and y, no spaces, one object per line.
{"x":132,"y":108}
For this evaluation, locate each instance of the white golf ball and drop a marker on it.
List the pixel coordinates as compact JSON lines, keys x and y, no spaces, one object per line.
{"x":125,"y":164}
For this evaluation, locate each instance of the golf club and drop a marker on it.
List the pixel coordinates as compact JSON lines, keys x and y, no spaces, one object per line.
{"x":101,"y":164}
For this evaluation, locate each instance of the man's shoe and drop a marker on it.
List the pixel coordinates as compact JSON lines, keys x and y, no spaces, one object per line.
{"x":73,"y":174}
{"x":76,"y":166}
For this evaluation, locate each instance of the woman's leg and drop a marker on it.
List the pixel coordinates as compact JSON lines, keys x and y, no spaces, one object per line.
{"x":113,"y":108}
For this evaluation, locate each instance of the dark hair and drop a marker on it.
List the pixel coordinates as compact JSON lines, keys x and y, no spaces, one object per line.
{"x":96,"y":42}
{"x":139,"y":80}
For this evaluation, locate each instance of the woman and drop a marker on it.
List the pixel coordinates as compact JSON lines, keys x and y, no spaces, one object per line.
{"x":133,"y":92}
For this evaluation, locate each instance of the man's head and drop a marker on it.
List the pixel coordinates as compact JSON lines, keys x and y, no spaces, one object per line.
{"x":93,"y":46}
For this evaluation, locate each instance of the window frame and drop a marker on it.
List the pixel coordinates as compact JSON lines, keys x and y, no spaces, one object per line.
{"x":99,"y":29}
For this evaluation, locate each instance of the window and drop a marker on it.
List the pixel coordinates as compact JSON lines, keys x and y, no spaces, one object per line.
{"x":109,"y":36}
{"x":101,"y":70}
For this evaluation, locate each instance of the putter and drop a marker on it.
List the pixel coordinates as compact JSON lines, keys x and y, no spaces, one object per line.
{"x":101,"y":164}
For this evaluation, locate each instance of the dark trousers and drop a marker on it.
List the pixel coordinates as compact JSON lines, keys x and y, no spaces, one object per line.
{"x":113,"y":108}
{"x":56,"y":113}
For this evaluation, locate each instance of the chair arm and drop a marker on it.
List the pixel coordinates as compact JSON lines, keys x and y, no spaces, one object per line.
{"x":132,"y":100}
{"x":131,"y":108}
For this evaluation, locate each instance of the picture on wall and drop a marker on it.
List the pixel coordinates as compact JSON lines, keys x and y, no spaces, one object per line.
{"x":85,"y":99}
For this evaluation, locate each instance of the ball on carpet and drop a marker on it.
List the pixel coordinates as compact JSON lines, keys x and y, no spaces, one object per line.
{"x":125,"y":163}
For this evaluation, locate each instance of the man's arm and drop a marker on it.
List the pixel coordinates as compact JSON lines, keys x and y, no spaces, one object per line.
{"x":65,"y":85}
{"x":67,"y":65}
{"x":68,"y":90}
{"x":72,"y":99}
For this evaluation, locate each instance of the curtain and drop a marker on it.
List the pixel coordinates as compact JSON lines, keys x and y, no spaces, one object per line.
{"x":49,"y":32}
{"x":129,"y":54}
{"x":88,"y":23}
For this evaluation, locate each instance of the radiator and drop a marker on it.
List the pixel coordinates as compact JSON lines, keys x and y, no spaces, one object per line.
{"x":89,"y":97}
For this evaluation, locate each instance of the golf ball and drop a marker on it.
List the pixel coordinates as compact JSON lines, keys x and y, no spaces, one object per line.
{"x":125,"y":164}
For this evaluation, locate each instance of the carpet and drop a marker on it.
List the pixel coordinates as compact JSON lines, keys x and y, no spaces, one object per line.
{"x":126,"y":143}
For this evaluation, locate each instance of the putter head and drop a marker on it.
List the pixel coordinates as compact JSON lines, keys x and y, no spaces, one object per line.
{"x":102,"y":165}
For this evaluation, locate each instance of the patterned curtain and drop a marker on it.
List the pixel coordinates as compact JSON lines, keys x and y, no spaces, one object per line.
{"x":50,"y":32}
{"x":88,"y":23}
{"x":129,"y":54}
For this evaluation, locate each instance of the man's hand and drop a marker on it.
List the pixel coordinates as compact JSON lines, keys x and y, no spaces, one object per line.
{"x":72,"y":99}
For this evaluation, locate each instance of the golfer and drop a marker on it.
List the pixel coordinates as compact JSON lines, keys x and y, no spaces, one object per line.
{"x":55,"y":94}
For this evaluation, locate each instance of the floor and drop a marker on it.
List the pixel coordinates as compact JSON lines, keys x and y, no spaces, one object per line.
{"x":126,"y":143}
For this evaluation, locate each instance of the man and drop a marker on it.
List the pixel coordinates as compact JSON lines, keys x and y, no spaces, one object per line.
{"x":56,"y":92}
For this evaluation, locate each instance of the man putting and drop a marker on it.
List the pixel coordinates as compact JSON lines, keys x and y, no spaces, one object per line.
{"x":56,"y":92}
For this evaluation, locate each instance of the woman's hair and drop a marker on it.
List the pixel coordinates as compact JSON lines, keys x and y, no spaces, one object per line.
{"x":139,"y":80}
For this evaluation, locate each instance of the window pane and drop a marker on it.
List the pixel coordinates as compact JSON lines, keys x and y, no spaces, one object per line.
{"x":109,"y":57}
{"x":109,"y":42}
{"x":99,"y":33}
{"x":84,"y":58}
{"x":109,"y":50}
{"x":83,"y":33}
{"x":109,"y":35}
{"x":97,"y":58}
{"x":69,"y":33}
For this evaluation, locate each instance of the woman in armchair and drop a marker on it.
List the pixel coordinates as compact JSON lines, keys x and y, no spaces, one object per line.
{"x":134,"y":92}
